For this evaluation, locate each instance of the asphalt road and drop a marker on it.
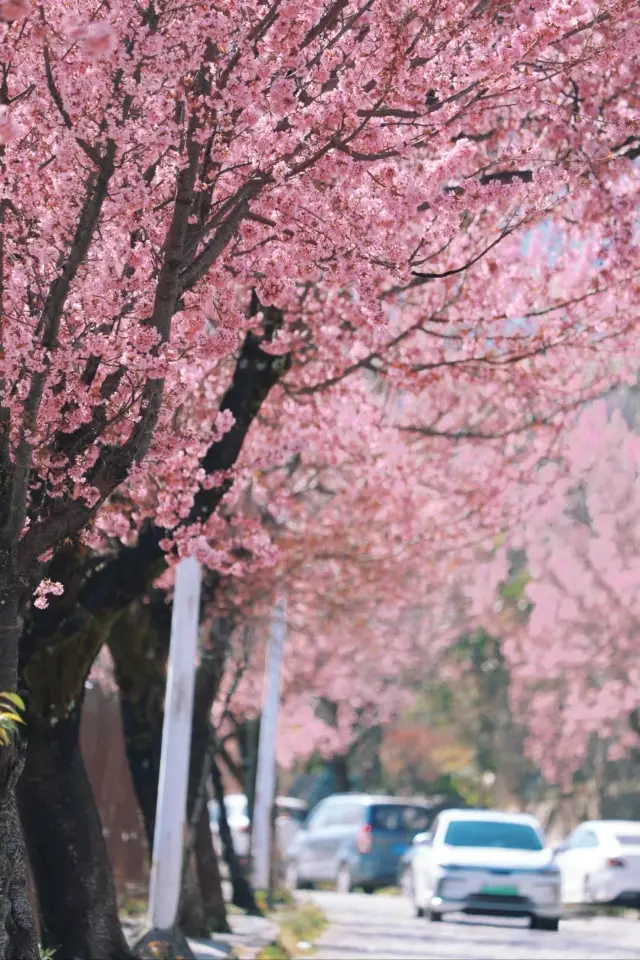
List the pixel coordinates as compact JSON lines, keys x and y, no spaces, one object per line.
{"x":363,"y":927}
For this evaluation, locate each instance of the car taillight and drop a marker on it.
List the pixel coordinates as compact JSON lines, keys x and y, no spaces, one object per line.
{"x":363,"y":840}
{"x":242,"y":827}
{"x":615,"y":862}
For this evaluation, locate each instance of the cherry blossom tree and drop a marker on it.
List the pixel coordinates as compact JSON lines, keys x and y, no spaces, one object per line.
{"x":575,"y":656}
{"x":162,"y":161}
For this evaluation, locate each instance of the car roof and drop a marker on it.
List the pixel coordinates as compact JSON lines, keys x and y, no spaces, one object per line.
{"x":501,"y":816}
{"x":609,"y":826}
{"x":294,"y":802}
{"x":367,"y":799}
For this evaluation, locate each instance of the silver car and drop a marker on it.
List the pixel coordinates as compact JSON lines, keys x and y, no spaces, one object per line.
{"x":485,"y":863}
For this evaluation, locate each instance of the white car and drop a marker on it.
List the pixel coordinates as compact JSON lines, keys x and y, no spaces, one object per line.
{"x":485,"y":863}
{"x":600,"y":863}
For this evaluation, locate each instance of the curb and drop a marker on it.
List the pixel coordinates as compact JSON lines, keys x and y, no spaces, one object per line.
{"x":249,"y":935}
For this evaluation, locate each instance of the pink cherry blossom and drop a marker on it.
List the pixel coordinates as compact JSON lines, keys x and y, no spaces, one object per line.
{"x":9,"y":127}
{"x":14,"y":10}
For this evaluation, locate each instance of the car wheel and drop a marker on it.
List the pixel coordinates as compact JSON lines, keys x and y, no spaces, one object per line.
{"x":433,"y":916}
{"x":367,"y":888}
{"x":419,"y":911}
{"x":343,"y":879}
{"x":545,"y":923}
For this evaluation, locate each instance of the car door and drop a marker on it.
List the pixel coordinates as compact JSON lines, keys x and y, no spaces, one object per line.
{"x":574,"y":861}
{"x":340,"y":834}
{"x":309,"y":844}
{"x":589,"y":860}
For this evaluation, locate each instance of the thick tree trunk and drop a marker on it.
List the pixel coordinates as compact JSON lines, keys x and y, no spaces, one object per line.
{"x":63,"y":831}
{"x":18,"y":934}
{"x":71,"y":868}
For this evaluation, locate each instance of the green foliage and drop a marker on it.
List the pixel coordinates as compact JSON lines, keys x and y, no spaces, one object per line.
{"x":11,"y":706}
{"x":281,"y":898}
{"x":307,"y":922}
{"x":304,"y":923}
{"x":274,"y":951}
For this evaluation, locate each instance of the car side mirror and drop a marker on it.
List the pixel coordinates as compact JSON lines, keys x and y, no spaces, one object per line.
{"x":422,"y":840}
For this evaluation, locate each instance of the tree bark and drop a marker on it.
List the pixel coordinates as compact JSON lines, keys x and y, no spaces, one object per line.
{"x":79,"y":914}
{"x":202,"y":908}
{"x":139,"y":645}
{"x":242,"y":893}
{"x":209,"y":878}
{"x":18,"y":932}
{"x":192,"y":919}
{"x":63,"y":831}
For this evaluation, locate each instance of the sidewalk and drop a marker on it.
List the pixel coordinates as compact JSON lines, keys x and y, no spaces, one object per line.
{"x":249,"y":935}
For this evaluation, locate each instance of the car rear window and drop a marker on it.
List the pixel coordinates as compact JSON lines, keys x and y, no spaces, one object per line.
{"x":492,"y":833}
{"x":629,"y":839}
{"x":390,"y":817}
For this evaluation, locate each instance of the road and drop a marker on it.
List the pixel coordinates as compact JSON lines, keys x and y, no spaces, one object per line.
{"x":363,"y":927}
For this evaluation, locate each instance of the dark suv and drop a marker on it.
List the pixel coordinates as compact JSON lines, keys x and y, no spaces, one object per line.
{"x":355,"y":840}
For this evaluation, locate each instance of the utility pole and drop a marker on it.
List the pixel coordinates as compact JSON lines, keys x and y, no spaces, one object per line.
{"x":171,"y":809}
{"x":266,"y":776}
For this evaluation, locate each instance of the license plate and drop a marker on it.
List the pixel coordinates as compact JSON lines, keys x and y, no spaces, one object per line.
{"x":400,"y":848}
{"x":501,"y":891}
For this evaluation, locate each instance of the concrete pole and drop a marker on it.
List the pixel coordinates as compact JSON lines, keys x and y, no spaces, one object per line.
{"x":171,"y":810}
{"x":266,"y":775}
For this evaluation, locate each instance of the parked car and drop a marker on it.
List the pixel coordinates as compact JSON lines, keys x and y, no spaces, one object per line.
{"x":355,"y":840}
{"x":290,"y":814}
{"x":600,"y":863}
{"x":483,"y":862}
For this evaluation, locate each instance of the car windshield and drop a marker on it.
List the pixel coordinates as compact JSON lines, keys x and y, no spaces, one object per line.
{"x":492,"y":833}
{"x":391,"y":817}
{"x":296,"y":813}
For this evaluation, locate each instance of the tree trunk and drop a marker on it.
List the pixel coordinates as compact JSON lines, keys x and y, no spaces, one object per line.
{"x":242,"y":893}
{"x":340,"y":769}
{"x":209,"y":877}
{"x":191,"y":916}
{"x":79,"y":914}
{"x":63,"y":831}
{"x":139,"y":645}
{"x":18,"y":934}
{"x":202,"y":907}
